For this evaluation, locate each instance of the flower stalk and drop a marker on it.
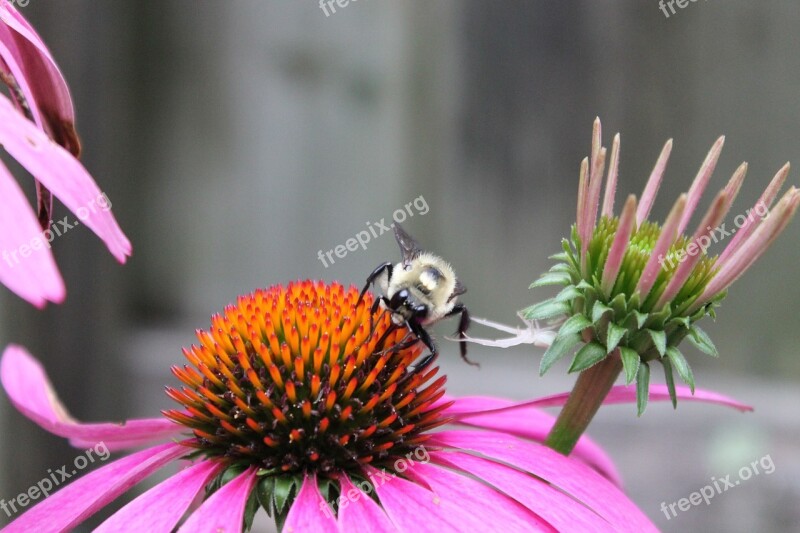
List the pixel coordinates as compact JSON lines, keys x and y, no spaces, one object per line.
{"x":589,"y":393}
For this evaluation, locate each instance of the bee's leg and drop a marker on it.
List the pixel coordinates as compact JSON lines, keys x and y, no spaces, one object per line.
{"x":463,"y":326}
{"x":371,"y":278}
{"x":425,"y":337}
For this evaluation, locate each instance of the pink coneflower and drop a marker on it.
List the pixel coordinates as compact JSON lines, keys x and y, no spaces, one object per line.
{"x":292,"y":402}
{"x":633,"y":288}
{"x":37,"y":129}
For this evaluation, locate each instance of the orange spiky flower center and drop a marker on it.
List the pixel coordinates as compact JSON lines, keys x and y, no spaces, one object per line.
{"x":300,"y":378}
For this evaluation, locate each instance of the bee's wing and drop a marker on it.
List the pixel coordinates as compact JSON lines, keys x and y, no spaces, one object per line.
{"x":408,"y":246}
{"x":459,"y":289}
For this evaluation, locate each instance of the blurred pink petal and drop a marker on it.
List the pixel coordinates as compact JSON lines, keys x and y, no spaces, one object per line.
{"x":463,"y":499}
{"x":529,"y":423}
{"x":572,"y":477}
{"x":627,"y":394}
{"x":60,"y":172}
{"x":558,"y":509}
{"x":361,"y":510}
{"x":34,"y":278}
{"x":223,"y":510}
{"x":30,"y":391}
{"x":162,"y":507}
{"x":37,"y":74}
{"x":308,"y":511}
{"x":82,"y":498}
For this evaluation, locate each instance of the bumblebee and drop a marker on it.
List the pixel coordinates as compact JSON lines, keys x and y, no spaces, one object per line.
{"x":419,"y":291}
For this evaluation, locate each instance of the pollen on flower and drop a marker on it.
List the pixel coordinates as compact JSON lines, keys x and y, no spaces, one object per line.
{"x":298,"y":378}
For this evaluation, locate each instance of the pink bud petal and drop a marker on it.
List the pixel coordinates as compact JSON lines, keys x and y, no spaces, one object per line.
{"x":761,"y":206}
{"x":668,"y":235}
{"x":611,"y":182}
{"x":653,"y":183}
{"x":620,"y":245}
{"x":700,"y":182}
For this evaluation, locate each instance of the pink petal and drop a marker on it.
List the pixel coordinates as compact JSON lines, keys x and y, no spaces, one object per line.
{"x":310,"y":511}
{"x":584,"y":231}
{"x":700,"y":182}
{"x":162,"y":507}
{"x":735,"y":184}
{"x":762,"y":205}
{"x":39,"y":78}
{"x":711,"y":220}
{"x":611,"y":182}
{"x":618,"y":394}
{"x":529,"y":423}
{"x":454,"y":503}
{"x":35,"y":277}
{"x":357,"y":509}
{"x":621,"y":239}
{"x":595,"y":185}
{"x":568,"y":475}
{"x":560,"y":510}
{"x":665,"y":240}
{"x":758,"y":242}
{"x":223,"y":510}
{"x":653,"y":184}
{"x":82,"y":498}
{"x":30,"y":391}
{"x":64,"y":175}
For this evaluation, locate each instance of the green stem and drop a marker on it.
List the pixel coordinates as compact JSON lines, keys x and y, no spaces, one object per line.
{"x":590,"y":390}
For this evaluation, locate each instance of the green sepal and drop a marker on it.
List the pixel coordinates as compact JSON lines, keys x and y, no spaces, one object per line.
{"x":567,"y":294}
{"x":561,"y":256}
{"x":264,"y":490}
{"x":583,"y":285}
{"x":618,"y":305}
{"x":284,"y":490}
{"x":615,"y":334}
{"x":546,"y":309}
{"x":670,"y":379}
{"x":561,"y":345}
{"x":574,"y":324}
{"x":551,"y":278}
{"x":659,"y":319}
{"x":599,"y":310}
{"x":659,"y":339}
{"x":702,"y":341}
{"x":250,"y":510}
{"x":630,"y":363}
{"x":642,"y":388}
{"x":589,"y":355}
{"x":681,"y":365}
{"x":641,"y":318}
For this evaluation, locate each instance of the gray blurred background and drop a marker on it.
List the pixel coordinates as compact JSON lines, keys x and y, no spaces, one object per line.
{"x":237,"y":139}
